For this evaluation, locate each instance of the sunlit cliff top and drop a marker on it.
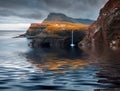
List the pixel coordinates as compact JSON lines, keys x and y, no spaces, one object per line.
{"x":58,"y":26}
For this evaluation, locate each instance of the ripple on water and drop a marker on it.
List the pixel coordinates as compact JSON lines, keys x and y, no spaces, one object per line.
{"x":4,"y":88}
{"x":40,"y":87}
{"x":48,"y":70}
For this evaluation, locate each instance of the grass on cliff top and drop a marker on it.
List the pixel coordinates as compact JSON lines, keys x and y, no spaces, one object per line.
{"x":59,"y":26}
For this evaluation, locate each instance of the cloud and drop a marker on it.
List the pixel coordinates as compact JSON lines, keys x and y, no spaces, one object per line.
{"x":19,"y":26}
{"x":36,"y":10}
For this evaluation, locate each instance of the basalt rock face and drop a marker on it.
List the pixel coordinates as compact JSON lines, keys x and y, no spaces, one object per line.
{"x":56,"y":31}
{"x":35,"y":29}
{"x":61,"y":39}
{"x":55,"y":34}
{"x":106,"y":30}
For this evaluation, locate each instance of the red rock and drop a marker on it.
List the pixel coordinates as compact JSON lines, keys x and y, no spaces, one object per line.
{"x":107,"y":27}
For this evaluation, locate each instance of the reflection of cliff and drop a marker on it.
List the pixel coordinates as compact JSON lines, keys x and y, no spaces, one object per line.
{"x":109,"y":61}
{"x":60,"y":66}
{"x":57,"y":60}
{"x":106,"y":29}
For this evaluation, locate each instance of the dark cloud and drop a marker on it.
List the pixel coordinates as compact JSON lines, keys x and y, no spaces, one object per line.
{"x":37,"y":10}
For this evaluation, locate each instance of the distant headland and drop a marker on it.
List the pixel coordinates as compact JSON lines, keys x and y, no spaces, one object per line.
{"x":60,"y":30}
{"x":56,"y":31}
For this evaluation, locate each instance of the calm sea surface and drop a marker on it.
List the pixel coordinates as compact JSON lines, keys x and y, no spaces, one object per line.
{"x":44,"y":69}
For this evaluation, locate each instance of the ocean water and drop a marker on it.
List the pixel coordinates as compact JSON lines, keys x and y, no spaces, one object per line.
{"x":44,"y":69}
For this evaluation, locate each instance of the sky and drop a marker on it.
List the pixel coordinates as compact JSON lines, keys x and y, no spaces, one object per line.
{"x":21,"y":13}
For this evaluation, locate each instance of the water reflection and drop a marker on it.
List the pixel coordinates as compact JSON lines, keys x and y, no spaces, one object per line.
{"x":58,"y":60}
{"x":90,"y":68}
{"x":64,"y":69}
{"x":25,"y":69}
{"x":109,"y":60}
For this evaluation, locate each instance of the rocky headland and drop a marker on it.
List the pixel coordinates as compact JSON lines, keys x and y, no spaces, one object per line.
{"x":55,"y":34}
{"x":56,"y":31}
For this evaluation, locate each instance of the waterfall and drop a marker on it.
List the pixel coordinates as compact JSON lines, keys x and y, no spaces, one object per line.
{"x":72,"y":40}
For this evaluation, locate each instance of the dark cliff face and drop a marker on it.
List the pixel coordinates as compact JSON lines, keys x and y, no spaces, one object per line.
{"x":55,"y":34}
{"x":56,"y":31}
{"x":64,"y":18}
{"x":106,"y":30}
{"x":59,"y":39}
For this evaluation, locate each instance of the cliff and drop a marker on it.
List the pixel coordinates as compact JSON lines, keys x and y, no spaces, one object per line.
{"x":53,"y":34}
{"x":56,"y":31}
{"x":106,"y":30}
{"x":37,"y":28}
